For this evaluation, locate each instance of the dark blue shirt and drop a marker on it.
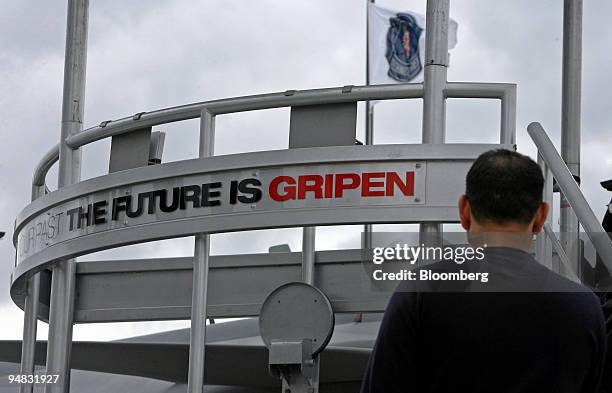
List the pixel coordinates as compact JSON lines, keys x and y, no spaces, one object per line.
{"x":549,"y":340}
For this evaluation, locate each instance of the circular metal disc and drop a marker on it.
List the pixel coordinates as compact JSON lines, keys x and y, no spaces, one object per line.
{"x":296,"y":311}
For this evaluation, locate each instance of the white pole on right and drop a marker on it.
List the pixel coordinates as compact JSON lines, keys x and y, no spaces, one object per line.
{"x":570,"y":122}
{"x":436,"y":66}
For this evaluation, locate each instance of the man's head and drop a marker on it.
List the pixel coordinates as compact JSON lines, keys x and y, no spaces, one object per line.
{"x":503,"y":193}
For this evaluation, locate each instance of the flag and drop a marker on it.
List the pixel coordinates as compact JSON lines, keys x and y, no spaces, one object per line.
{"x":397,"y":45}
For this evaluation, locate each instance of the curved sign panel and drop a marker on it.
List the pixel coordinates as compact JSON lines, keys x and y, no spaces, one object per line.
{"x":322,"y":186}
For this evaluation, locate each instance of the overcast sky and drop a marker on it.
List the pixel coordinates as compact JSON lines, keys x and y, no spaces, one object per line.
{"x":146,"y":55}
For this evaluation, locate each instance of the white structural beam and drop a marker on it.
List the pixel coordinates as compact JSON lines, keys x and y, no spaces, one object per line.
{"x":570,"y":121}
{"x":436,"y":66}
{"x":62,"y":284}
{"x":197,"y":342}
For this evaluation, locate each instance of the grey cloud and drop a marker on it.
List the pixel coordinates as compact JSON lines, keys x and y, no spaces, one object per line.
{"x":169,"y":53}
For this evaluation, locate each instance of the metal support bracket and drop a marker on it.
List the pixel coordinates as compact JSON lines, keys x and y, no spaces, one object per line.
{"x":293,"y":363}
{"x":138,"y":115}
{"x":296,"y":322}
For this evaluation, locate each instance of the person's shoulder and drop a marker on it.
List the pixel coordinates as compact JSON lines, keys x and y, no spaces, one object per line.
{"x":555,"y":282}
{"x":532,"y":276}
{"x":575,"y":297}
{"x":405,"y":298}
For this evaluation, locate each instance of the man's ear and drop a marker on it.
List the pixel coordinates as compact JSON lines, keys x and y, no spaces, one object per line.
{"x":465,"y":213}
{"x":540,"y":217}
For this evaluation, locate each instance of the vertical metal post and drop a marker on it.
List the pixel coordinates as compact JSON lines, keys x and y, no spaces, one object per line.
{"x":570,"y":121}
{"x":507,"y":135}
{"x":308,"y":276}
{"x":308,"y":254}
{"x":369,"y":117}
{"x":544,"y":243}
{"x":436,"y":65}
{"x":197,"y":342}
{"x":63,"y":278}
{"x":30,"y":318}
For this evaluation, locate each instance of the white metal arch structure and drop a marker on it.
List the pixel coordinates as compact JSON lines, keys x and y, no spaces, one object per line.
{"x":56,"y":201}
{"x":434,"y":199}
{"x":83,"y":217}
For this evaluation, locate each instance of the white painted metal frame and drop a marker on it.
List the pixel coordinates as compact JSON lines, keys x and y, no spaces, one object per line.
{"x":72,"y":140}
{"x":434,"y":91}
{"x":569,"y":187}
{"x":571,"y":96}
{"x":435,"y":78}
{"x":63,"y":279}
{"x":157,"y":289}
{"x":30,"y":319}
{"x":437,"y":205}
{"x":505,"y":92}
{"x":197,"y":333}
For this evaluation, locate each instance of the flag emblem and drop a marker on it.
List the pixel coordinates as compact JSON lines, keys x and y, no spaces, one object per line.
{"x":403,"y":47}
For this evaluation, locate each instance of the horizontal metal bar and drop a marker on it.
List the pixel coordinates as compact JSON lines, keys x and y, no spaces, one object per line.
{"x":439,"y":204}
{"x":285,"y":99}
{"x":340,"y":364}
{"x":248,"y":103}
{"x":322,"y":155}
{"x":479,"y":90}
{"x":173,"y":313}
{"x":216,"y":261}
{"x":570,"y":189}
{"x":355,"y":215}
{"x":160,"y":289}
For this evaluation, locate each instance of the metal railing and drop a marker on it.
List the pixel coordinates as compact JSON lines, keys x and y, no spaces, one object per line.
{"x":502,"y":91}
{"x":569,"y":188}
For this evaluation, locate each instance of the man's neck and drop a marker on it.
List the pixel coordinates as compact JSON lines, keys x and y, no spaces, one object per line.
{"x":513,"y":236}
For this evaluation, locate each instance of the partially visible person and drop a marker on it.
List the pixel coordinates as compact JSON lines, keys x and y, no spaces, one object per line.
{"x":540,"y":333}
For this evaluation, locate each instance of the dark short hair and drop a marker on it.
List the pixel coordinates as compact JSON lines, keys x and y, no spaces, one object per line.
{"x":504,"y":186}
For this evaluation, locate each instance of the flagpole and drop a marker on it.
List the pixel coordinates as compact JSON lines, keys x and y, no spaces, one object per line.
{"x":434,"y":82}
{"x":369,"y":116}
